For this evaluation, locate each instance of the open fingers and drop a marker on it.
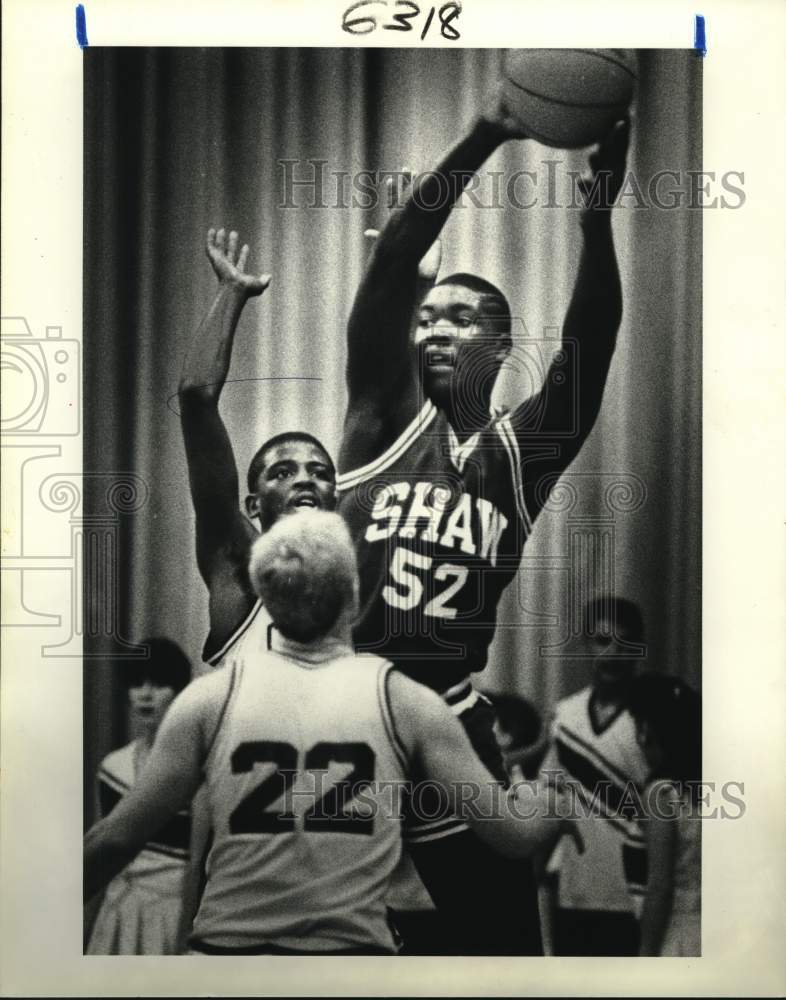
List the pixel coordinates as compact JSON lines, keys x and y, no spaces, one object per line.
{"x":242,"y":257}
{"x":232,"y":247}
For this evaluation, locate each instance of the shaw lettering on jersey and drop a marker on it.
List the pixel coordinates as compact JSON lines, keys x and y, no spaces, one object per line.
{"x":422,"y":510}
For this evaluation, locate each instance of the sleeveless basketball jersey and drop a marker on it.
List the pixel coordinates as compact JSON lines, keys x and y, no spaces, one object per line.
{"x":302,"y":781}
{"x":611,"y":873}
{"x":439,"y":529}
{"x":252,"y":633}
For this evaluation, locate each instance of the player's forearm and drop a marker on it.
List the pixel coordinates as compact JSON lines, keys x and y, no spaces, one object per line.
{"x":654,"y":917}
{"x":595,"y":309}
{"x":106,"y":854}
{"x":412,"y":229}
{"x":207,"y":362}
{"x":522,"y":824}
{"x":594,"y":315}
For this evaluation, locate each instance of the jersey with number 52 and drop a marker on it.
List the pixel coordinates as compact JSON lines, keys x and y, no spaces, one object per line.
{"x":439,"y":529}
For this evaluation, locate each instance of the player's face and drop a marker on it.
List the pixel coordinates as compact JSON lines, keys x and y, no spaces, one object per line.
{"x":296,"y":476}
{"x":456,"y":344}
{"x":148,"y":702}
{"x":614,"y":661}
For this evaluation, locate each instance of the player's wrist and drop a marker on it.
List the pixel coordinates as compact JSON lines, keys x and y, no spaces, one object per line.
{"x":596,"y":219}
{"x":488,"y":129}
{"x":231,"y":288}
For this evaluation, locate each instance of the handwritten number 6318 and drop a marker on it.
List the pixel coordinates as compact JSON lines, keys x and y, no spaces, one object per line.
{"x":363,"y":24}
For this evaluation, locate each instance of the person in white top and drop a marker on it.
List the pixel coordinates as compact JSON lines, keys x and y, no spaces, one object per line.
{"x":668,"y":726}
{"x":304,"y":748}
{"x":140,"y":912}
{"x":590,"y":901}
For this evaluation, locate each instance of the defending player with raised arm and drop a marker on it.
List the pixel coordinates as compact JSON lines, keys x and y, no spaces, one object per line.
{"x":288,"y":473}
{"x":441,"y":494}
{"x":299,"y":876}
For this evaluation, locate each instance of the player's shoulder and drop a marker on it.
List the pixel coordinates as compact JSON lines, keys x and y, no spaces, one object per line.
{"x":228,"y":628}
{"x":204,"y":689}
{"x":374,"y":444}
{"x":414,"y":704}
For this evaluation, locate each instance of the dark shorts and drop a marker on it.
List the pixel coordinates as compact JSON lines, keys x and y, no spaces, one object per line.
{"x":595,"y":932}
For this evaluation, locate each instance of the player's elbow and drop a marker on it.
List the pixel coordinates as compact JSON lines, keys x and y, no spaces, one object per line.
{"x":193,"y":393}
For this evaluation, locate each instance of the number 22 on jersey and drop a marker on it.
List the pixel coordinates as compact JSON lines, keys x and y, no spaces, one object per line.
{"x":328,"y":813}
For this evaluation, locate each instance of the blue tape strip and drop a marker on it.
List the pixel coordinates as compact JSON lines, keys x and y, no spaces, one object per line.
{"x":81,"y":27}
{"x":699,"y":37}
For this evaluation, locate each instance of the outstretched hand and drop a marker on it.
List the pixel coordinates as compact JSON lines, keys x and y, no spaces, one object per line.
{"x":230,"y":265}
{"x":395,"y":187}
{"x":498,"y":113}
{"x":600,"y":188}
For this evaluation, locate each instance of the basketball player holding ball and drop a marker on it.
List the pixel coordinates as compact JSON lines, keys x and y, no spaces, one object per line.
{"x":441,"y":495}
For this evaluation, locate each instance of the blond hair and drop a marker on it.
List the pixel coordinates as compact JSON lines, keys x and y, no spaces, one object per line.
{"x":305,"y":571}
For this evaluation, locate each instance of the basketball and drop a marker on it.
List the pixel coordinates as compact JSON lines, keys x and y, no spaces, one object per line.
{"x":568,"y":98}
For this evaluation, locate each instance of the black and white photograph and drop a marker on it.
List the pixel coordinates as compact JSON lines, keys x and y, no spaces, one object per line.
{"x":445,"y":307}
{"x":370,"y":510}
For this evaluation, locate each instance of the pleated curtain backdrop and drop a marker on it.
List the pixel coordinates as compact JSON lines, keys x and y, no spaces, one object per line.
{"x":178,"y":140}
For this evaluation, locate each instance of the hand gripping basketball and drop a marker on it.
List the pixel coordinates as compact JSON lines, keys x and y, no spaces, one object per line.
{"x":599,"y":188}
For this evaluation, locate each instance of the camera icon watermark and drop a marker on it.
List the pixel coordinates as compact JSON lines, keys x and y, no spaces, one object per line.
{"x":41,"y":380}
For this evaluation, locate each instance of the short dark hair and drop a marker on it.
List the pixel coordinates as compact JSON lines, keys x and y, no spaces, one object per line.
{"x":619,"y":610}
{"x":258,"y":461}
{"x":494,"y":304}
{"x":166,"y":665}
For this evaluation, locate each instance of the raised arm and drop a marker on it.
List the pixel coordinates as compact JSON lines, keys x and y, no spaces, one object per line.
{"x":223,"y":533}
{"x":573,"y":389}
{"x":517,"y":824}
{"x":379,"y":365}
{"x":170,"y":778}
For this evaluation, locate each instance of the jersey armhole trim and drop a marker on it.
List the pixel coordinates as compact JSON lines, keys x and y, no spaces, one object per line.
{"x":214,"y":658}
{"x":233,"y":684}
{"x":346,"y":480}
{"x":387,"y":716}
{"x":508,"y":438}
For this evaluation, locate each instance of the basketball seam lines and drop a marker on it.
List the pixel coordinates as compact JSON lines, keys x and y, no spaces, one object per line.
{"x":601,"y":55}
{"x":567,"y":104}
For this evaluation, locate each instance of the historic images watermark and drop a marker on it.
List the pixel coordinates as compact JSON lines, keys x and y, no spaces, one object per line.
{"x":57,"y":549}
{"x":315,"y":184}
{"x":314,"y":795}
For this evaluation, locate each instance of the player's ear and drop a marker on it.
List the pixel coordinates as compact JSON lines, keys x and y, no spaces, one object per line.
{"x":252,"y":505}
